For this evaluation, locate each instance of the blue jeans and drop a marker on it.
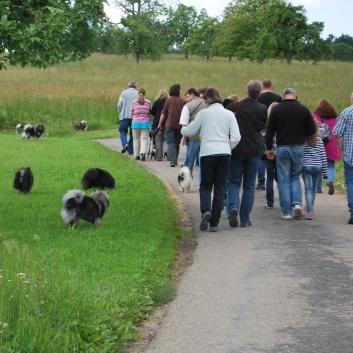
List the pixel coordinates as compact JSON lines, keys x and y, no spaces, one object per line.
{"x":348,"y":177}
{"x":214,"y":171}
{"x":124,"y":126}
{"x":312,"y":178}
{"x":289,"y":165}
{"x":242,"y":170}
{"x":261,"y":171}
{"x":331,"y":173}
{"x":192,"y":153}
{"x":271,"y":177}
{"x":174,"y":137}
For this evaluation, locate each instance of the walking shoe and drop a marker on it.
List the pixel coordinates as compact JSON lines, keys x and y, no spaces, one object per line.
{"x":143,"y":157}
{"x":137,"y":158}
{"x":248,"y":224}
{"x":331,"y":188}
{"x":172,"y":165}
{"x":214,"y":229}
{"x":298,"y":212}
{"x":309,"y":216}
{"x":125,"y":148}
{"x":260,"y":186}
{"x":350,"y":220}
{"x":204,"y":221}
{"x":319,"y":191}
{"x":286,"y":216}
{"x":268,"y":206}
{"x":233,"y":215}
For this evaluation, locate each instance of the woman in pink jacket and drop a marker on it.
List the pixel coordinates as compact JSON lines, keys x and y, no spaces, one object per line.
{"x":326,"y":113}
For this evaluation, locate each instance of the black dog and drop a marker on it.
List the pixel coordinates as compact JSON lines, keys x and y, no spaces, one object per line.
{"x":97,"y":178}
{"x":82,"y":126}
{"x":23,"y":180}
{"x":30,"y":131}
{"x":77,"y":205}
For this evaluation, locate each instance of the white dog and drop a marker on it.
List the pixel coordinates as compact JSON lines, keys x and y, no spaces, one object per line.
{"x":185,"y":179}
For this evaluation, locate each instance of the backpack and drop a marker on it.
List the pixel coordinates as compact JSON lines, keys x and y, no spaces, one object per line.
{"x":324,"y":132}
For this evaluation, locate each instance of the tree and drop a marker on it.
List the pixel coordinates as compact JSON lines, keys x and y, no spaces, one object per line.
{"x":342,"y":52}
{"x":45,"y":32}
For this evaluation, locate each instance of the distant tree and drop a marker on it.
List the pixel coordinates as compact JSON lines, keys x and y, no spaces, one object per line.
{"x":45,"y":32}
{"x":342,"y":52}
{"x":344,"y":38}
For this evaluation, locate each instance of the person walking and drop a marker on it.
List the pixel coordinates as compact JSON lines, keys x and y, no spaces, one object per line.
{"x":141,"y":109}
{"x":191,"y":108}
{"x":291,"y":122}
{"x":314,"y":167}
{"x":219,"y":134}
{"x":251,"y":117}
{"x":156,"y":111}
{"x":172,"y":111}
{"x":325,"y":112}
{"x":125,"y":116}
{"x":344,"y":134}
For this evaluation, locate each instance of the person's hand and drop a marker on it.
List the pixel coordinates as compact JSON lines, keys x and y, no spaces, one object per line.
{"x":184,"y":141}
{"x":271,"y":154}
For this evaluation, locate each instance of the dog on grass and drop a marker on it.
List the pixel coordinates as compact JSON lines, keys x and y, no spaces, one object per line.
{"x":77,"y":205}
{"x":24,"y":180}
{"x":185,"y":178}
{"x":30,"y":131}
{"x":82,"y":126}
{"x":97,"y":178}
{"x":19,"y":128}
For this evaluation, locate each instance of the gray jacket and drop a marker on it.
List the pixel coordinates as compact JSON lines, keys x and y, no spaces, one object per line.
{"x":124,"y":103}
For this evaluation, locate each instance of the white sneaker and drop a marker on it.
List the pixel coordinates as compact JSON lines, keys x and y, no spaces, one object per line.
{"x":298,"y":212}
{"x":286,"y":216}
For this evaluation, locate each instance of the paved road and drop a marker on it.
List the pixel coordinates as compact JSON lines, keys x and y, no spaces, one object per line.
{"x":278,"y":286}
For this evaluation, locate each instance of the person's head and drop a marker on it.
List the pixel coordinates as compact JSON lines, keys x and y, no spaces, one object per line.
{"x":162,"y":94}
{"x":254,"y":88}
{"x":312,"y":139}
{"x":142,"y":93}
{"x":234,"y":98}
{"x":191,"y":93}
{"x":175,"y":90}
{"x":212,"y":96}
{"x":289,"y":93}
{"x":271,"y":107}
{"x":202,"y":91}
{"x":132,"y":84}
{"x":325,"y":109}
{"x":268,"y":87}
{"x":226,"y":102}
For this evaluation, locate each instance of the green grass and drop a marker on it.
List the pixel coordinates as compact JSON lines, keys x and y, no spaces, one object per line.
{"x":81,"y":290}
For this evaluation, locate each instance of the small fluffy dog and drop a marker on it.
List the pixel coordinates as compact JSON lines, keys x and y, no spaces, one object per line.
{"x":30,"y":131}
{"x":77,"y":205}
{"x":82,"y":126}
{"x":23,"y":180}
{"x":97,"y":178}
{"x":185,"y":178}
{"x":19,"y":128}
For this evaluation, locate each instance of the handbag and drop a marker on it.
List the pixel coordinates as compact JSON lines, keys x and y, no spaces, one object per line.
{"x":324,"y":132}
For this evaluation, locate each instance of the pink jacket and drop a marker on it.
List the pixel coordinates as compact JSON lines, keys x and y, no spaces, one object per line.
{"x":331,"y":147}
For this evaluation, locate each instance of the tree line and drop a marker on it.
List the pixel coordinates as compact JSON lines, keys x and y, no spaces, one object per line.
{"x":45,"y":32}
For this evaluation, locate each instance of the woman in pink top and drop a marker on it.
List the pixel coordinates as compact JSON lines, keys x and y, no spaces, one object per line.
{"x":326,"y":112}
{"x":141,"y":125}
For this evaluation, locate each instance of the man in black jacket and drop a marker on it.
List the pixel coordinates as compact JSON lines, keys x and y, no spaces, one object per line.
{"x":292,"y":122}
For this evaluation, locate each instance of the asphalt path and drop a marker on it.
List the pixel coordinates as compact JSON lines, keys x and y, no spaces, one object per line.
{"x":278,"y":286}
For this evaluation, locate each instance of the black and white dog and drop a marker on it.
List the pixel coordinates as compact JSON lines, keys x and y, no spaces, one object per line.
{"x":30,"y":131}
{"x":82,"y":126}
{"x":23,"y":180}
{"x":97,"y":178}
{"x":185,"y":179}
{"x":19,"y":128}
{"x":77,"y":205}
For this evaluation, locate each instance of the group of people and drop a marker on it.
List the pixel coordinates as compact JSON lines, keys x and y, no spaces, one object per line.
{"x":235,"y":141}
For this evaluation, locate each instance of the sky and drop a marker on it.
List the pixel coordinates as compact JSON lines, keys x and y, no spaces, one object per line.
{"x":336,"y":14}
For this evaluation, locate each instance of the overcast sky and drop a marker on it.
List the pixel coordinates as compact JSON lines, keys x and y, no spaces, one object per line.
{"x":336,"y":14}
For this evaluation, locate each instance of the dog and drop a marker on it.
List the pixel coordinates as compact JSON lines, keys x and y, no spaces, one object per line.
{"x":82,"y":126}
{"x":185,"y":178}
{"x":19,"y":128}
{"x":97,"y":178}
{"x":24,"y":180}
{"x":77,"y":205}
{"x":30,"y":131}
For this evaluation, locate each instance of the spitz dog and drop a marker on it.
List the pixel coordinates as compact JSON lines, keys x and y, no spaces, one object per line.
{"x":97,"y":178}
{"x":82,"y":126}
{"x":77,"y":205}
{"x":19,"y":128}
{"x":23,"y":180}
{"x":30,"y":131}
{"x":185,"y":178}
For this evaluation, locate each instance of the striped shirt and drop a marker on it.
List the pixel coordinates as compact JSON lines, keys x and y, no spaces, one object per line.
{"x":141,"y":114}
{"x":316,"y":156}
{"x":344,"y":128}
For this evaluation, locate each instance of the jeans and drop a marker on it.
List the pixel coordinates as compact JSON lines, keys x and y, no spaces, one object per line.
{"x":192,"y":153}
{"x":348,"y":177}
{"x":271,"y":177}
{"x":124,"y":126}
{"x":174,"y":137}
{"x":140,"y":141}
{"x":261,"y":171}
{"x":214,"y":171}
{"x":242,"y":170}
{"x":312,"y":177}
{"x":289,"y":165}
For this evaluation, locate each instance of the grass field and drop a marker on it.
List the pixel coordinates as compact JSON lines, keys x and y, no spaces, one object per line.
{"x":86,"y":290}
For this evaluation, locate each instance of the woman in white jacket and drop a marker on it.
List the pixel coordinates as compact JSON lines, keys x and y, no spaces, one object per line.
{"x":219,"y":134}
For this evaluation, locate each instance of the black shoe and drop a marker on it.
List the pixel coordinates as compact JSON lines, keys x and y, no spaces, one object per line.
{"x":233,"y":218}
{"x":204,"y":221}
{"x":331,"y":188}
{"x":137,"y":158}
{"x":125,"y":148}
{"x":245,"y":224}
{"x":350,"y":220}
{"x":143,"y":157}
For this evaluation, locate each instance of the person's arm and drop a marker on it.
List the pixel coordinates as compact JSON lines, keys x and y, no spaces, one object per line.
{"x":193,"y":128}
{"x":234,"y":133}
{"x":340,"y":144}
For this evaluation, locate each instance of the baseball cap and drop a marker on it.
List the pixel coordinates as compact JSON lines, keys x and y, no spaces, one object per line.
{"x":289,"y":91}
